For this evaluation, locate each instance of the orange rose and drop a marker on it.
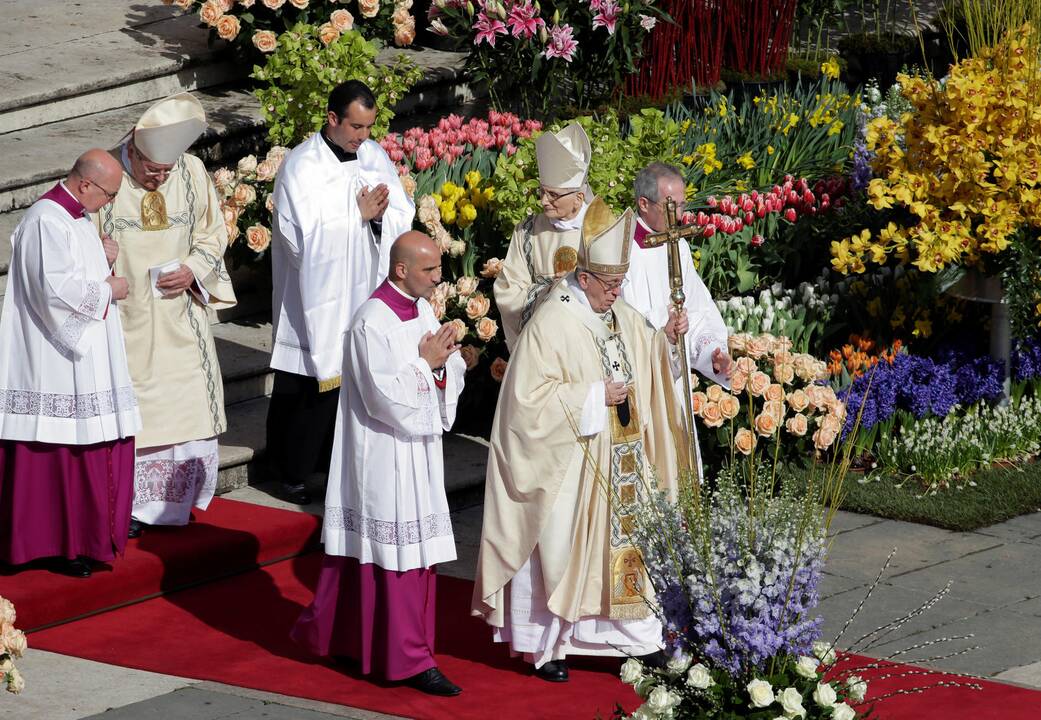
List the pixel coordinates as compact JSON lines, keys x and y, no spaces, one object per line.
{"x":327,"y":33}
{"x":342,"y":20}
{"x":470,"y":356}
{"x":498,"y":369}
{"x":730,"y":406}
{"x":744,"y":441}
{"x":798,"y":401}
{"x":698,"y":401}
{"x":477,"y":306}
{"x":487,"y":328}
{"x":714,"y":393}
{"x":823,"y":439}
{"x":228,"y":27}
{"x":758,"y":382}
{"x":711,"y":415}
{"x":258,"y":238}
{"x":765,"y":424}
{"x":492,"y":268}
{"x":797,"y":425}
{"x":774,"y":392}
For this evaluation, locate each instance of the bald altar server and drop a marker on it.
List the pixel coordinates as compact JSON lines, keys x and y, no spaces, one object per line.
{"x":387,"y":522}
{"x":556,"y":575}
{"x":647,"y":287}
{"x":168,"y":224}
{"x":544,"y":246}
{"x":67,"y":407}
{"x":339,"y":205}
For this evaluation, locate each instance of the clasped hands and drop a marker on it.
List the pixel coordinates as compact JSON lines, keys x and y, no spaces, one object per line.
{"x":437,"y":347}
{"x":373,"y":202}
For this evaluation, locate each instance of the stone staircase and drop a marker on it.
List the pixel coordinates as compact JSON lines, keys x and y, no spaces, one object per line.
{"x":77,"y":75}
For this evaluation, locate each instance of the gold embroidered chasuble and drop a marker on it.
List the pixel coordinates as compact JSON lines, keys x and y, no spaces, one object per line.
{"x":170,"y":347}
{"x":538,"y":255}
{"x":589,"y":567}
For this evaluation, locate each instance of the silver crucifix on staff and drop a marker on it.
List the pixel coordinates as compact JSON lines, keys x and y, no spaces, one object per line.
{"x":672,"y":235}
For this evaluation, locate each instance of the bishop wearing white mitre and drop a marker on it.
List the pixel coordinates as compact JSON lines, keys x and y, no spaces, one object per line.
{"x":588,"y":398}
{"x":543,"y":247}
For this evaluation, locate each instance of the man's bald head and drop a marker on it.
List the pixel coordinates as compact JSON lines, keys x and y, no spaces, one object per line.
{"x":415,"y":264}
{"x":95,"y":179}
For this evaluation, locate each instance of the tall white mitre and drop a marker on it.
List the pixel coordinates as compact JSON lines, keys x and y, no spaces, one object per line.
{"x":169,"y":127}
{"x":606,"y":240}
{"x":563,"y":158}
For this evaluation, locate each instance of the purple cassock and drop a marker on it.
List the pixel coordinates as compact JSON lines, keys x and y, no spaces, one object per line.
{"x":383,"y":619}
{"x":64,"y":500}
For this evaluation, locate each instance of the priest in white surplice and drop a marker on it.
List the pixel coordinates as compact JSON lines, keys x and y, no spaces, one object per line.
{"x":556,"y":575}
{"x":167,"y":221}
{"x":339,"y":205}
{"x":544,"y":246}
{"x":67,"y":406}
{"x":387,"y":522}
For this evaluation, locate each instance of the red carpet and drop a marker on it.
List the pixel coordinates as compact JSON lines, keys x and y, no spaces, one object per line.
{"x":230,"y":537}
{"x":236,"y":630}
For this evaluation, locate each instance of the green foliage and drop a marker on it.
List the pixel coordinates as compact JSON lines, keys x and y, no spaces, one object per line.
{"x":301,"y":73}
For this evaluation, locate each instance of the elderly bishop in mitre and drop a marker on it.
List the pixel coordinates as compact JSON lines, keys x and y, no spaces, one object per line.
{"x":544,"y":247}
{"x":586,"y":423}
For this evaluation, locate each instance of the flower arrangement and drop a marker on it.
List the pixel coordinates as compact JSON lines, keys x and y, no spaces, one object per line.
{"x":305,"y":66}
{"x":246,"y":203}
{"x":12,"y":647}
{"x":800,"y":314}
{"x":536,"y":58}
{"x":256,"y":25}
{"x":858,"y":357}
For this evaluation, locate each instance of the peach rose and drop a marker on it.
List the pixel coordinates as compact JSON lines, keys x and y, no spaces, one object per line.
{"x":466,"y":285}
{"x":744,"y":441}
{"x":838,"y":409}
{"x":730,"y":406}
{"x":460,"y":329}
{"x":804,"y":367}
{"x":230,"y":213}
{"x":783,"y":356}
{"x":342,"y":20}
{"x":369,"y":8}
{"x":258,"y":238}
{"x":266,"y":171}
{"x":327,"y":34}
{"x":408,"y":184}
{"x":774,"y":408}
{"x":714,"y":393}
{"x":737,"y":344}
{"x":227,"y":5}
{"x":446,"y":290}
{"x":7,"y":612}
{"x":738,"y":381}
{"x":400,"y":16}
{"x":783,"y":343}
{"x":14,"y":640}
{"x":492,"y":268}
{"x":470,"y":356}
{"x":233,"y":233}
{"x":244,"y":195}
{"x":299,"y":4}
{"x":437,"y":306}
{"x":477,"y":306}
{"x":487,"y":328}
{"x":823,"y":438}
{"x":818,"y":398}
{"x":498,"y":369}
{"x":711,"y":415}
{"x":746,"y":365}
{"x":277,"y":154}
{"x":405,"y":35}
{"x":274,"y":4}
{"x":784,"y":373}
{"x":758,"y":382}
{"x":831,"y":423}
{"x":247,"y":3}
{"x":797,"y":425}
{"x":184,"y":4}
{"x":765,"y":424}
{"x":269,"y":203}
{"x":756,"y":348}
{"x":224,"y":181}
{"x":774,"y":392}
{"x":228,"y":27}
{"x":798,"y":401}
{"x":211,"y":11}
{"x":698,"y":401}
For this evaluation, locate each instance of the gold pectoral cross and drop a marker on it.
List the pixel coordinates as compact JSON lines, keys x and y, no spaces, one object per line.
{"x":672,"y":235}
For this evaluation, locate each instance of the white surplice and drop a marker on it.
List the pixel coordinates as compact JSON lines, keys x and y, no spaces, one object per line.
{"x":170,"y":480}
{"x":325,"y":260}
{"x":386,"y":502}
{"x":63,"y":370}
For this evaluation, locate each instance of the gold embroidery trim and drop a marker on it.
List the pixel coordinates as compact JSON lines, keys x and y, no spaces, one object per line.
{"x":625,"y":433}
{"x":565,"y":259}
{"x":153,"y":211}
{"x":330,"y":384}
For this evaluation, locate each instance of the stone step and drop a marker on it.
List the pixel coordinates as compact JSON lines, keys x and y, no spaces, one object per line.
{"x":244,"y":350}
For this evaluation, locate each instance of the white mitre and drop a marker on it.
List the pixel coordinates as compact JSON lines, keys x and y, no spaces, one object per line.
{"x":169,"y":127}
{"x":606,"y":240}
{"x":564,"y":157}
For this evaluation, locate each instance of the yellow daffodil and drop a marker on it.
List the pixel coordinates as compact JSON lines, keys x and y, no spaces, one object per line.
{"x":830,"y":68}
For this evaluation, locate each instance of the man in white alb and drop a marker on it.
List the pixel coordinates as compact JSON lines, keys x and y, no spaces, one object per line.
{"x":338,"y":207}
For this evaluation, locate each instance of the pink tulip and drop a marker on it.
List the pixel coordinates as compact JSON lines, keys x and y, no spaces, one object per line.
{"x":757,"y":240}
{"x":790,"y":215}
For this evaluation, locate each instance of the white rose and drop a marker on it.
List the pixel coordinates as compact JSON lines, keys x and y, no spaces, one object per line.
{"x":5,"y":665}
{"x":247,"y":166}
{"x":698,"y":677}
{"x":806,"y":667}
{"x":842,"y":711}
{"x":678,"y":665}
{"x":791,"y":702}
{"x":856,"y":686}
{"x":661,"y":700}
{"x":15,"y":683}
{"x":7,"y":612}
{"x":824,"y":652}
{"x":642,"y":713}
{"x":761,"y":693}
{"x":632,"y":671}
{"x":14,"y":641}
{"x":825,"y":695}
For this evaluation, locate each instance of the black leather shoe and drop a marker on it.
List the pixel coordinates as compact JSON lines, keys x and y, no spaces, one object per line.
{"x":553,"y":671}
{"x":136,"y":528}
{"x":78,"y":568}
{"x":296,"y":494}
{"x":657,"y":660}
{"x":433,"y":682}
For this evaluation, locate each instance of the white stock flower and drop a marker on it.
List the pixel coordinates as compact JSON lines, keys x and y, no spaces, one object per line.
{"x":806,"y":667}
{"x":825,"y":695}
{"x":698,"y":677}
{"x":791,"y":702}
{"x":842,"y":711}
{"x":857,"y":687}
{"x":632,"y":671}
{"x":824,"y":652}
{"x":760,"y":692}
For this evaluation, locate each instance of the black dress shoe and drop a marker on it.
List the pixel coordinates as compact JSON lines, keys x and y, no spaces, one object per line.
{"x":656,"y":660}
{"x":553,"y":671}
{"x":78,"y":568}
{"x":433,"y":682}
{"x":136,"y":528}
{"x":297,"y":494}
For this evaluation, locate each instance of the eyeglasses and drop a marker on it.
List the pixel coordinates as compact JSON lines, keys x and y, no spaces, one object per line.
{"x":150,"y":168}
{"x":109,"y":195}
{"x":554,"y":196}
{"x":612,"y":287}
